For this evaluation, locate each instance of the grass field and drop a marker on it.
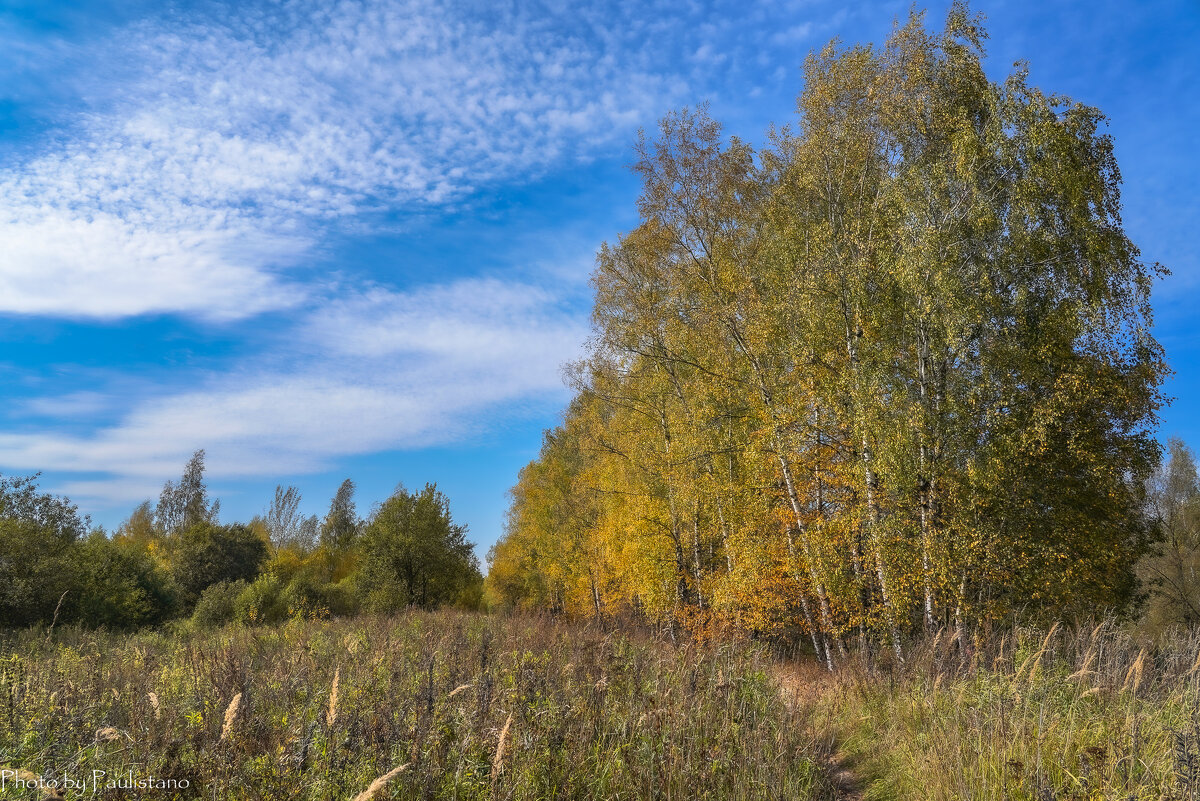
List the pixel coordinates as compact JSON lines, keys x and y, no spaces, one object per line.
{"x":473,"y":707}
{"x":457,"y":706}
{"x":1085,"y":713}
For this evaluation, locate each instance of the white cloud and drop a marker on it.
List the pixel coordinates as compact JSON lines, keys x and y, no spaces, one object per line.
{"x":794,"y":34}
{"x":75,"y":404}
{"x":221,"y":158}
{"x":213,"y":163}
{"x":380,"y":371}
{"x":243,"y":134}
{"x":457,"y":321}
{"x":104,"y":266}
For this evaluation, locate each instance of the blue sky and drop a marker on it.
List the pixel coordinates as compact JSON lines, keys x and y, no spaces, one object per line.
{"x":352,"y":239}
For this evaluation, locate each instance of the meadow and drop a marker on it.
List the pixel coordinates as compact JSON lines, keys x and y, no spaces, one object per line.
{"x":454,"y":705}
{"x":439,"y":705}
{"x":1092,"y":711}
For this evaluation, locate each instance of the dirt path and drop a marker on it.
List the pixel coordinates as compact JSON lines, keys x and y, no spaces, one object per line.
{"x":800,"y":685}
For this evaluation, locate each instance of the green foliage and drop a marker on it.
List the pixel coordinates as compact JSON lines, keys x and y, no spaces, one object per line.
{"x":218,"y":604}
{"x":341,"y":525}
{"x":118,"y":585}
{"x":206,"y":554}
{"x":176,"y":559}
{"x":37,"y":532}
{"x":274,"y":596}
{"x":261,"y":601}
{"x":413,"y":554}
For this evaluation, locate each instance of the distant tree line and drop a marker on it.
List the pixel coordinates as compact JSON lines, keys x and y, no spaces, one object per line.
{"x":174,"y":559}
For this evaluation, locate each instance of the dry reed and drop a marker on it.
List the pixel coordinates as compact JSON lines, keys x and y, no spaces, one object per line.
{"x":498,"y":759}
{"x":231,"y":713}
{"x":107,"y":734}
{"x":377,"y":786}
{"x":332,"y":712}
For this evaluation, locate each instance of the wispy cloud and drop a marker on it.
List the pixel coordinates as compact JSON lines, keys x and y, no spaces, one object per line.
{"x":377,"y":371}
{"x":195,"y":191}
{"x":205,"y":180}
{"x":208,"y":169}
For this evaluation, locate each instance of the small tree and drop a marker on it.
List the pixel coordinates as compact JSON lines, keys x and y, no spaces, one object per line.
{"x":1171,"y":571}
{"x":183,"y":505}
{"x":285,"y":525}
{"x":139,"y":527}
{"x":341,"y":525}
{"x":413,"y":554}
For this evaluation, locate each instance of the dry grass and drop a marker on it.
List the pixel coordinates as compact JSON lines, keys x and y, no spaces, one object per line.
{"x":479,"y":709}
{"x":231,"y":713}
{"x":1084,"y":712}
{"x":377,"y":786}
{"x":498,"y":759}
{"x":332,"y":712}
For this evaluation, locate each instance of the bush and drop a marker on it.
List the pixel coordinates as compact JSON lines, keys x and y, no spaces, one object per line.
{"x":218,"y":604}
{"x":206,"y":554}
{"x":118,"y":585}
{"x":260,"y":601}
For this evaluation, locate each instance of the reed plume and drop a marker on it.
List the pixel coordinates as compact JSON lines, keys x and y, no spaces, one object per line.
{"x":332,"y":713}
{"x":378,"y":785}
{"x":107,"y":734}
{"x":498,"y":759}
{"x":231,"y":713}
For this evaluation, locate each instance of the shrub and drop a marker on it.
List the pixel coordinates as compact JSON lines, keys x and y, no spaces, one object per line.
{"x":218,"y":603}
{"x":260,"y":601}
{"x":119,"y":585}
{"x":206,"y":554}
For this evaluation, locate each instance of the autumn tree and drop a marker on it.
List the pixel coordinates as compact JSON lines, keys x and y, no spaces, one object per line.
{"x":1171,"y":570}
{"x":892,"y":372}
{"x":341,"y":523}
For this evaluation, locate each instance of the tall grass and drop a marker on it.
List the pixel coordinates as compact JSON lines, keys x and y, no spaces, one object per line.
{"x":1087,"y":712}
{"x":426,"y":706}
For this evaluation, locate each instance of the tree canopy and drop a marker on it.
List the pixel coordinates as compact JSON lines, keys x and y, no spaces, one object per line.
{"x":893,"y":371}
{"x":414,"y":554}
{"x":37,"y":532}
